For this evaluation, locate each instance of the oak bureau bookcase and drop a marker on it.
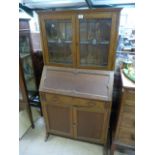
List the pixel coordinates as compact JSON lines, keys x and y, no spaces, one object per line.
{"x":77,"y":80}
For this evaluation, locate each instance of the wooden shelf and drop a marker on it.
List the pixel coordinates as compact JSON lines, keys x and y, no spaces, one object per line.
{"x":126,"y":52}
{"x":24,"y":30}
{"x":57,"y":42}
{"x":29,"y":78}
{"x":24,"y":55}
{"x":97,"y":43}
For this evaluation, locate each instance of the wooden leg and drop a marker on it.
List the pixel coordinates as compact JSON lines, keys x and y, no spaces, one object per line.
{"x":46,"y":137}
{"x":30,"y":116}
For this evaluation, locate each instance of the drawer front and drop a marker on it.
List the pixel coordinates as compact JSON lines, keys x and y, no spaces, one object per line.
{"x":93,"y":105}
{"x":127,"y":120}
{"x":126,"y":136}
{"x":58,"y":99}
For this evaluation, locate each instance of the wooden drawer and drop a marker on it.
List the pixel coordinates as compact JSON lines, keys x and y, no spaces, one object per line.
{"x":93,"y":105}
{"x":89,"y":104}
{"x":127,"y":136}
{"x":58,"y":99}
{"x":127,"y":120}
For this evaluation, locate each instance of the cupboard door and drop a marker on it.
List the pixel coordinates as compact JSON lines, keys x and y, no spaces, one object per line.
{"x":90,"y":125}
{"x":95,"y":37}
{"x":59,"y":40}
{"x":59,"y":119}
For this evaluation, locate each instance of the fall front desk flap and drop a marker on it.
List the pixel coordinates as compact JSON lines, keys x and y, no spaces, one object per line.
{"x":90,"y":84}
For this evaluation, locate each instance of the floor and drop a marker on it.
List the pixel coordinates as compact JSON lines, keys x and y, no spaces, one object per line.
{"x":24,"y":121}
{"x":32,"y":143}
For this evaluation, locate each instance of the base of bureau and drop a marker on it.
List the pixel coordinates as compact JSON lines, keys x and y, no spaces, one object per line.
{"x":77,"y":139}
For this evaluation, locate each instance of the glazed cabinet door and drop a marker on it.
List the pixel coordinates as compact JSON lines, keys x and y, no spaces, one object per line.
{"x":95,"y":40}
{"x":25,"y":50}
{"x":58,"y":39}
{"x":23,"y":102}
{"x":23,"y":96}
{"x":90,"y":123}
